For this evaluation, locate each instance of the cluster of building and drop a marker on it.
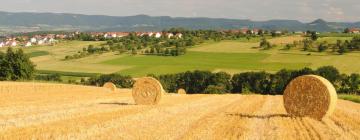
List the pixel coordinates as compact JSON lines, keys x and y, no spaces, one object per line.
{"x":245,"y":31}
{"x":26,"y":41}
{"x":123,"y":34}
{"x":50,"y":39}
{"x":354,"y":30}
{"x":257,"y":31}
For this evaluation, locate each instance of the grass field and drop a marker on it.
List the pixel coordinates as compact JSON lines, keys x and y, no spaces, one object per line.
{"x":95,"y":113}
{"x":229,"y":56}
{"x":353,"y":98}
{"x":38,"y":53}
{"x":142,"y":65}
{"x":333,"y":40}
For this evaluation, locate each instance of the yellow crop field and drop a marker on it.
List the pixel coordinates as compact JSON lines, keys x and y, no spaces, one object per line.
{"x":56,"y":111}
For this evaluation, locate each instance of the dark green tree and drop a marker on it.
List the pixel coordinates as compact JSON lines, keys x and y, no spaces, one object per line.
{"x":329,"y":72}
{"x":15,"y":65}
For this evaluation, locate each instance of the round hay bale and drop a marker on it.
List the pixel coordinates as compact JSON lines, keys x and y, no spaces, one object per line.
{"x":310,"y":96}
{"x":111,"y":86}
{"x":147,"y":91}
{"x":181,"y":91}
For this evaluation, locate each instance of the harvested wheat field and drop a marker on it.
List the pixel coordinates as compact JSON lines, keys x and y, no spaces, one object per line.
{"x":77,"y":112}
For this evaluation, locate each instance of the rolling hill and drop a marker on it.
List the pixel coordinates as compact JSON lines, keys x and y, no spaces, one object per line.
{"x":25,"y":21}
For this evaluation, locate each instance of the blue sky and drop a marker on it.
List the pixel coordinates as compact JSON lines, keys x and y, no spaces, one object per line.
{"x":304,"y":10}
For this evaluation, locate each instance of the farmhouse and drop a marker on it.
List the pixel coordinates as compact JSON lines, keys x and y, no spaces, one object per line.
{"x":13,"y":44}
{"x":299,"y":32}
{"x":52,"y":40}
{"x":28,"y":44}
{"x":2,"y":44}
{"x":96,"y":34}
{"x":244,"y":30}
{"x":122,"y":34}
{"x":233,"y":31}
{"x":278,"y":32}
{"x":158,"y":35}
{"x":7,"y":43}
{"x":151,"y":34}
{"x":354,"y":30}
{"x":40,"y":42}
{"x":106,"y":35}
{"x":170,"y":35}
{"x":179,"y":35}
{"x":255,"y":31}
{"x":61,"y":36}
{"x":112,"y":34}
{"x":33,"y":40}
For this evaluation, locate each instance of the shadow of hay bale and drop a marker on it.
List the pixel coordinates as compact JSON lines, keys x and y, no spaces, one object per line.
{"x":116,"y":103}
{"x":260,"y":116}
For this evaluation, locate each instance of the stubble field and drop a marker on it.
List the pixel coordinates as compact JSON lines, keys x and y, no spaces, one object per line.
{"x":95,"y":113}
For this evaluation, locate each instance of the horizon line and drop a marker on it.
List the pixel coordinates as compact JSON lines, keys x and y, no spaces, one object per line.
{"x":38,"y":12}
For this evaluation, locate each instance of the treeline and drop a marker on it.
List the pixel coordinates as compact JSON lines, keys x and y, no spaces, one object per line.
{"x":49,"y":77}
{"x":119,"y":80}
{"x":247,"y":82}
{"x":90,"y":50}
{"x":254,"y":82}
{"x":340,"y":47}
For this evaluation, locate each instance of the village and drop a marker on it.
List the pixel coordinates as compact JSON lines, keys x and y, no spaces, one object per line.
{"x":51,"y":39}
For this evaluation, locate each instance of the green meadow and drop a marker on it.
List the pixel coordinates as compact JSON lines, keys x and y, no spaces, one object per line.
{"x":350,"y":97}
{"x":229,"y":56}
{"x":230,"y":62}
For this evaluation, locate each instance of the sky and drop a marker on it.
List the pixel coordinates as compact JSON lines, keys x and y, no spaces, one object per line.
{"x":258,"y":10}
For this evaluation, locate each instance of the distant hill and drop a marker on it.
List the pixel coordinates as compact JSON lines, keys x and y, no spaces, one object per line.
{"x":18,"y":22}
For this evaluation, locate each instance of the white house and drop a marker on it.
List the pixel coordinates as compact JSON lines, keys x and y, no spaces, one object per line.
{"x":158,"y":35}
{"x":7,"y":43}
{"x":52,"y":40}
{"x":2,"y":44}
{"x":106,"y":35}
{"x":151,"y":34}
{"x":13,"y":44}
{"x":114,"y":35}
{"x":45,"y":39}
{"x":40,"y":42}
{"x":170,"y":35}
{"x":179,"y":35}
{"x":28,"y":44}
{"x":33,"y":40}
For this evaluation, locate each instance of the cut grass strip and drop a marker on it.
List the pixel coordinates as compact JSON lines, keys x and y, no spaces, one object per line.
{"x":62,"y":73}
{"x":350,"y":97}
{"x":38,"y":53}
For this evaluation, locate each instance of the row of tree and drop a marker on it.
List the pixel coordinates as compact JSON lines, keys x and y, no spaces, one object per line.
{"x":247,"y":82}
{"x":119,"y":80}
{"x":254,"y":82}
{"x":15,"y":65}
{"x":90,"y":50}
{"x":340,"y":47}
